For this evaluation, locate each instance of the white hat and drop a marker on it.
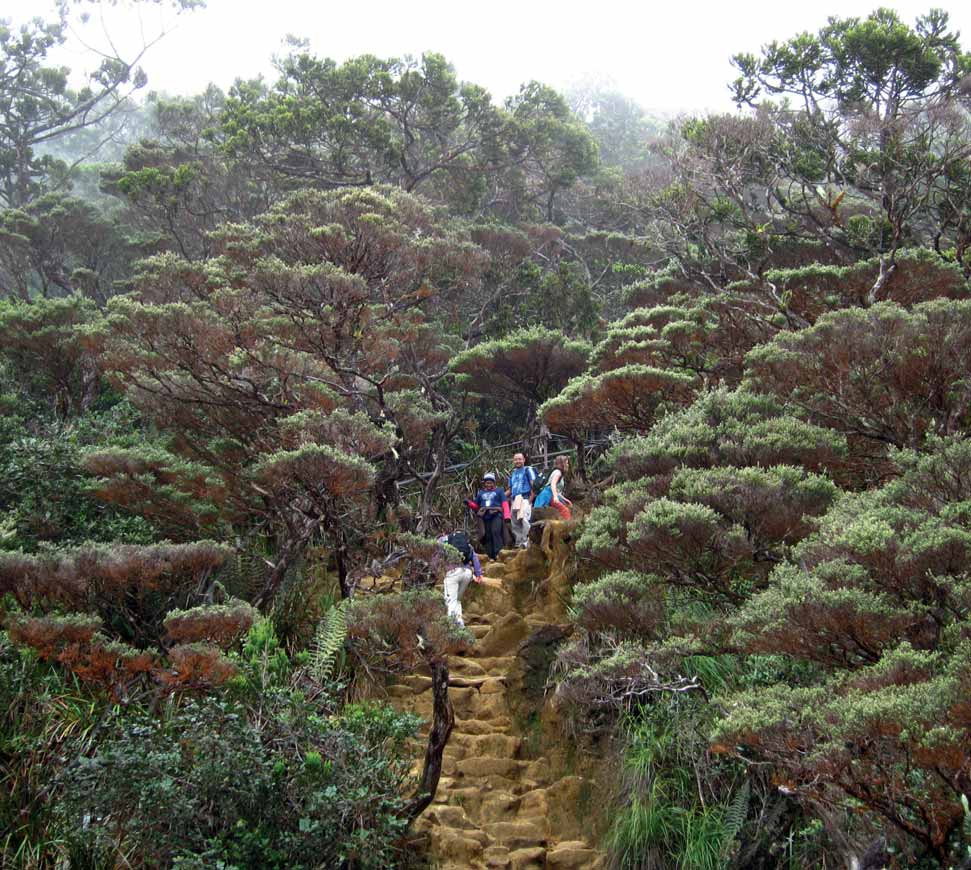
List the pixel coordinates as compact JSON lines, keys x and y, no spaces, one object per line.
{"x":489,"y":476}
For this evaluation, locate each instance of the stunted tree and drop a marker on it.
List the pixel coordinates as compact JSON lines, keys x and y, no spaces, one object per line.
{"x":410,"y":123}
{"x":713,"y":496}
{"x":297,"y":373}
{"x":395,"y":633}
{"x":40,"y":342}
{"x":876,"y":600}
{"x":38,"y":102}
{"x":58,"y":245}
{"x":178,"y":184}
{"x":651,"y":359}
{"x":113,"y":615}
{"x":522,"y":370}
{"x":855,"y":149}
{"x":875,"y":123}
{"x":882,"y":376}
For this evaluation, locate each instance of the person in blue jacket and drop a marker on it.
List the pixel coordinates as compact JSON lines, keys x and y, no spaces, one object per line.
{"x":490,"y":503}
{"x":520,"y":494}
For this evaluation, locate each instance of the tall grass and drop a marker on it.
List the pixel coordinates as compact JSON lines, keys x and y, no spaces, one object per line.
{"x":662,"y":821}
{"x":46,"y":722}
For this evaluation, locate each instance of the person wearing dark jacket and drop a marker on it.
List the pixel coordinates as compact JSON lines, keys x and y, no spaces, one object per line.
{"x":458,"y":578}
{"x":490,"y":503}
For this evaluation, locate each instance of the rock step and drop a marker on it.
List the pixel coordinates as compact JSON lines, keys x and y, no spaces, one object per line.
{"x":527,"y":859}
{"x":416,"y":682}
{"x":485,"y":766}
{"x":496,"y":857}
{"x":455,"y":848}
{"x":573,"y":855}
{"x":494,"y":809}
{"x":472,"y":725}
{"x":466,"y":667}
{"x":503,"y":638}
{"x":469,"y":703}
{"x":495,"y":664}
{"x":518,"y":834}
{"x":500,"y":745}
{"x":483,"y":618}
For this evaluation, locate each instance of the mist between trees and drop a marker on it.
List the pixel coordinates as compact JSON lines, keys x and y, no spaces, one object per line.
{"x":232,"y":324}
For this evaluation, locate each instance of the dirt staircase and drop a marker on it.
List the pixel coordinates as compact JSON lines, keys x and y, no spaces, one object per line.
{"x":501,"y":802}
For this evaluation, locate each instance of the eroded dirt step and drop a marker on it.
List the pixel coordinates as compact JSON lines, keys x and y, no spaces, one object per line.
{"x":573,"y":855}
{"x":461,"y":665}
{"x":486,"y":765}
{"x":503,"y":637}
{"x":472,"y":725}
{"x":457,"y":849}
{"x":496,"y":858}
{"x":527,"y":859}
{"x":450,"y":817}
{"x":519,"y":834}
{"x":495,"y":664}
{"x":501,"y":745}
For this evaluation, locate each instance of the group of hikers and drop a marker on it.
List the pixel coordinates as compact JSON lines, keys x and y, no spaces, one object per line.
{"x":493,"y":506}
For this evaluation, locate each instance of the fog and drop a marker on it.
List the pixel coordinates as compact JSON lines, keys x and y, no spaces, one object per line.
{"x":668,"y":57}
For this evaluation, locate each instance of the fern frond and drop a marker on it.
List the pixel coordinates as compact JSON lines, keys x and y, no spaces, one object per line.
{"x":328,"y":643}
{"x":243,"y":577}
{"x":737,"y":812}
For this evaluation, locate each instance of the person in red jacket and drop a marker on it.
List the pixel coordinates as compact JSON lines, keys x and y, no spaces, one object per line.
{"x":490,"y":503}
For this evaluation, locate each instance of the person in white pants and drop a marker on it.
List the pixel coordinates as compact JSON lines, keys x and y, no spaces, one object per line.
{"x":457,"y":580}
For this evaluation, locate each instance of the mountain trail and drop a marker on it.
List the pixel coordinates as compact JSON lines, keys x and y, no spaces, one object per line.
{"x":502,"y":802}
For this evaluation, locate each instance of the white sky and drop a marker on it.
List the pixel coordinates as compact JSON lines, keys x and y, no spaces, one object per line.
{"x":668,"y":56}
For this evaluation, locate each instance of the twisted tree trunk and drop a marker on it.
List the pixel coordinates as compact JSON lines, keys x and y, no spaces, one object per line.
{"x":443,"y":720}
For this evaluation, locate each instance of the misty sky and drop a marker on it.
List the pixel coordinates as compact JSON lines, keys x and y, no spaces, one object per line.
{"x":666,"y":55}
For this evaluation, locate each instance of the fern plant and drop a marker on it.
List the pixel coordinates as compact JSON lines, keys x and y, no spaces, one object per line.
{"x":328,"y":644}
{"x":736,"y":813}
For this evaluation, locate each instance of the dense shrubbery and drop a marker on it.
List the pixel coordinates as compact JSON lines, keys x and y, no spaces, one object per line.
{"x":46,"y":497}
{"x":269,"y":771}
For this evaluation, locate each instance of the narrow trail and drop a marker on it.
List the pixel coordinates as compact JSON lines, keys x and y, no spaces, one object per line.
{"x":502,"y":801}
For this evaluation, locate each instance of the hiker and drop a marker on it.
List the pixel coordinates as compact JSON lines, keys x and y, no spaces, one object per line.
{"x":490,"y":504}
{"x":457,"y":579}
{"x":552,"y":492}
{"x":520,"y":494}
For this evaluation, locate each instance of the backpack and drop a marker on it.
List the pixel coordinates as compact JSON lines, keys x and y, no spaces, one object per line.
{"x":460,"y":540}
{"x":539,"y":482}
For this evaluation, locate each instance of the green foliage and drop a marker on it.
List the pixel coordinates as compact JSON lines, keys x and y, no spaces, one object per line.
{"x":207,"y":784}
{"x":254,"y":775}
{"x":407,"y":122}
{"x":413,"y":625}
{"x":524,"y":368}
{"x":45,"y":720}
{"x":45,"y":494}
{"x":926,"y":345}
{"x":41,"y":345}
{"x":328,"y":644}
{"x":780,"y":524}
{"x":663,"y":820}
{"x":622,"y":601}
